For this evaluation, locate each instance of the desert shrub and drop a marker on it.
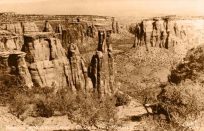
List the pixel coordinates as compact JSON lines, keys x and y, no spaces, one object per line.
{"x":191,"y":68}
{"x":32,"y":102}
{"x":87,"y":110}
{"x":82,"y":108}
{"x":150,"y":124}
{"x":9,"y":85}
{"x":174,"y":106}
{"x":181,"y":100}
{"x":121,"y":99}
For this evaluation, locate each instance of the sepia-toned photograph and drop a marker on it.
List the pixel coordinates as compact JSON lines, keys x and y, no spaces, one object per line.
{"x":101,"y":65}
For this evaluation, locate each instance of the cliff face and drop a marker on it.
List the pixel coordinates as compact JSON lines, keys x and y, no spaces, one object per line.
{"x":170,"y":33}
{"x":49,"y":59}
{"x":10,"y":41}
{"x":49,"y":65}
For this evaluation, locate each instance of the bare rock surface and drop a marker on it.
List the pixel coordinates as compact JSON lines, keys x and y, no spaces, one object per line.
{"x":169,"y":32}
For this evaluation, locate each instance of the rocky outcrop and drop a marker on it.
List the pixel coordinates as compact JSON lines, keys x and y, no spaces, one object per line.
{"x":15,"y":28}
{"x":169,"y":32}
{"x":12,"y":34}
{"x":101,"y":69}
{"x":10,"y":41}
{"x":59,"y":29}
{"x":20,"y":27}
{"x":46,"y":59}
{"x":14,"y":63}
{"x":49,"y":64}
{"x":72,"y":35}
{"x":53,"y":59}
{"x":29,"y":27}
{"x":79,"y":72}
{"x":48,"y":27}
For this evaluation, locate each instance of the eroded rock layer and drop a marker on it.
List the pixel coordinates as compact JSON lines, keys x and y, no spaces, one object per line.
{"x":48,"y":63}
{"x":170,"y":32}
{"x":14,"y":63}
{"x":101,"y":69}
{"x":52,"y":59}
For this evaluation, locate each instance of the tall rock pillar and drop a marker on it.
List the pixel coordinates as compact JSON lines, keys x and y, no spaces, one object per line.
{"x":23,"y":69}
{"x":101,"y":69}
{"x":4,"y":61}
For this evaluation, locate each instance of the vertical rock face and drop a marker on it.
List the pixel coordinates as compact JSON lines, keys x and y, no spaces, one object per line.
{"x":48,"y":27}
{"x":21,"y":27}
{"x":21,"y":67}
{"x":15,"y":28}
{"x":46,"y":59}
{"x":113,"y":25}
{"x":101,"y":69}
{"x":72,"y":35}
{"x":29,"y":27}
{"x":79,"y":72}
{"x":10,"y":41}
{"x":4,"y":61}
{"x":14,"y":63}
{"x":117,"y":27}
{"x":171,"y":33}
{"x":49,"y":65}
{"x":59,"y":29}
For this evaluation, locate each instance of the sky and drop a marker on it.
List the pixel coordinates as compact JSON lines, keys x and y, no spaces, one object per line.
{"x":106,"y":7}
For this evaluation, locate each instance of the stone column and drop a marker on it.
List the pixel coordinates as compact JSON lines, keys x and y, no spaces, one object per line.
{"x":78,"y":70}
{"x":101,"y":69}
{"x":4,"y":61}
{"x":101,"y":40}
{"x":113,"y":25}
{"x":59,"y":29}
{"x":48,"y":27}
{"x":23,"y":69}
{"x":117,"y":27}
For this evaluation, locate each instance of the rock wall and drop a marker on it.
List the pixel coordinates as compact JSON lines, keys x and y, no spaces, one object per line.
{"x":52,"y":59}
{"x":49,"y":64}
{"x":12,"y":34}
{"x":10,"y":41}
{"x":20,"y":27}
{"x":170,"y":33}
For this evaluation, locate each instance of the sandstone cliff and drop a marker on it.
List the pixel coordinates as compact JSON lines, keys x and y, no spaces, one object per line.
{"x":48,"y":63}
{"x":14,"y":63}
{"x":170,"y":33}
{"x":52,"y":59}
{"x":10,"y":41}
